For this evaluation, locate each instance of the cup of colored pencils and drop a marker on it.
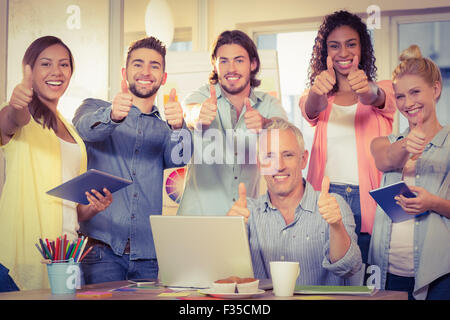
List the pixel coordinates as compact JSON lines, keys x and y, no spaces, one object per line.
{"x":63,"y":258}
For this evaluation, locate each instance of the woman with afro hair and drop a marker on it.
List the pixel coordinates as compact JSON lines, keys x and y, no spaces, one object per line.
{"x":348,"y":110}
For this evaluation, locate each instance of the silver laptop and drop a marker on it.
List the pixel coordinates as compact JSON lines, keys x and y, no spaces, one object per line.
{"x":194,"y":251}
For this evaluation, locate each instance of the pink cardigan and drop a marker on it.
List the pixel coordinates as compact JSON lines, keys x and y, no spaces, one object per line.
{"x":370,"y":122}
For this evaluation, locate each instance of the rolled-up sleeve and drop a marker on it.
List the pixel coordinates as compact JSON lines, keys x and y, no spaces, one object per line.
{"x":390,"y":105}
{"x":302,"y":104}
{"x":93,"y":120}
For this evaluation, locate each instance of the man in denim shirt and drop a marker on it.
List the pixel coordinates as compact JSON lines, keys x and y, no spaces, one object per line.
{"x":293,"y":222}
{"x":129,"y":139}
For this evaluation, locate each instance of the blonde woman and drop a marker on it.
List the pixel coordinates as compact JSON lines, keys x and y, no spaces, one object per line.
{"x":414,"y":255}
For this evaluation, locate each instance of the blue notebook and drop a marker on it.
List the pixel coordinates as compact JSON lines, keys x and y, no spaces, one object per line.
{"x":384,"y":196}
{"x":74,"y":189}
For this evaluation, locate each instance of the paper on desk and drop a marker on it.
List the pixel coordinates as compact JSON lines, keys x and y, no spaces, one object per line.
{"x":199,"y":298}
{"x":149,"y":287}
{"x":176,"y":294}
{"x":312,"y":298}
{"x":94,"y":294}
{"x":319,"y":290}
{"x":135,"y":288}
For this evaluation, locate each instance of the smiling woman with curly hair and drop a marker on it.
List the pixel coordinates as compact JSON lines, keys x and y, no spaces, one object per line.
{"x":349,"y":110}
{"x":318,"y":61}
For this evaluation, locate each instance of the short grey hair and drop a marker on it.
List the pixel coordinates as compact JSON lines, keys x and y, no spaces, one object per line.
{"x":282,"y":124}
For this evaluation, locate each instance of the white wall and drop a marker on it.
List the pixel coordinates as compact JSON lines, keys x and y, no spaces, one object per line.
{"x":29,"y":20}
{"x":227,"y":14}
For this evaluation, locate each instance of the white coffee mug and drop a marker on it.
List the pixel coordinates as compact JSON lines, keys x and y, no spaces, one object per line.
{"x":284,"y":277}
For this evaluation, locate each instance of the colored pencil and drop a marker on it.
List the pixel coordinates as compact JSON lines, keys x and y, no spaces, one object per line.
{"x":42,"y":248}
{"x":82,"y":249}
{"x":47,"y":252}
{"x":77,"y":253}
{"x":67,"y":250}
{"x":73,"y":249}
{"x":61,"y":253}
{"x":52,"y":245}
{"x":85,"y":254}
{"x":76,"y":248}
{"x":64,"y":247}
{"x":57,"y":249}
{"x":40,"y":251}
{"x":49,"y":247}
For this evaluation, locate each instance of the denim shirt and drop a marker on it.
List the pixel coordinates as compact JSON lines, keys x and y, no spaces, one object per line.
{"x":431,"y":231}
{"x":306,"y":240}
{"x":211,"y":187}
{"x":138,"y":148}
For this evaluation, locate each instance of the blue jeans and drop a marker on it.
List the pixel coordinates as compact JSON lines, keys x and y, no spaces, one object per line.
{"x":350,"y":193}
{"x":103,"y":265}
{"x":439,"y":289}
{"x":398,"y":283}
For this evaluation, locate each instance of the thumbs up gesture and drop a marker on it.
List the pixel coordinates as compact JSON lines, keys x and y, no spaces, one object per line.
{"x":23,"y":92}
{"x":357,"y":78}
{"x":326,"y":80}
{"x":416,"y":139}
{"x":328,"y":205}
{"x":173,"y":111}
{"x":253,"y":119}
{"x":122,"y":102}
{"x":240,"y":206}
{"x":208,"y":109}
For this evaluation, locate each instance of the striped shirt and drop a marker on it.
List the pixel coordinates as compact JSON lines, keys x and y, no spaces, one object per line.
{"x":305,"y":240}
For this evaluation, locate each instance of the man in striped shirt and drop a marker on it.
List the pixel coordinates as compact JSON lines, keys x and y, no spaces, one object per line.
{"x":292,"y":221}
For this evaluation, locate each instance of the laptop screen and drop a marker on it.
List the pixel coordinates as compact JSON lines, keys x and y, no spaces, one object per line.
{"x":194,"y":251}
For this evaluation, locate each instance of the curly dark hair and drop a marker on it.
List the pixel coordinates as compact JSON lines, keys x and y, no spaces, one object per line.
{"x":318,"y":61}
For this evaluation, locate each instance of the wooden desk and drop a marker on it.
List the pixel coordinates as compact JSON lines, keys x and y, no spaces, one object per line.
{"x":193,"y":294}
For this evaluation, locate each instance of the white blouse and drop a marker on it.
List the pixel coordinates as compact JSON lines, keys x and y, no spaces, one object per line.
{"x":342,"y":160}
{"x":70,"y":159}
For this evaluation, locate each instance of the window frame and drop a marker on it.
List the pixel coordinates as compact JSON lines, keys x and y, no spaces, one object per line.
{"x":395,"y":21}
